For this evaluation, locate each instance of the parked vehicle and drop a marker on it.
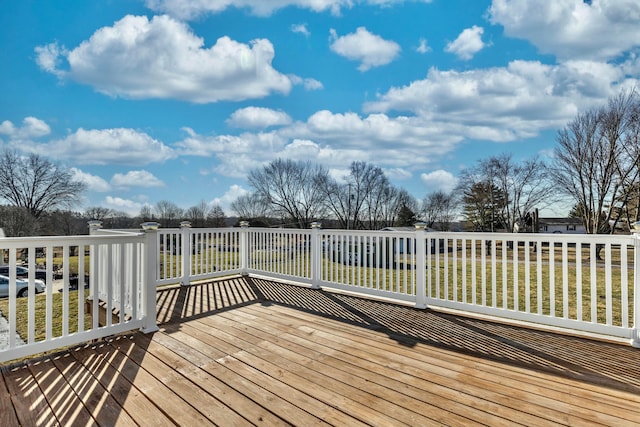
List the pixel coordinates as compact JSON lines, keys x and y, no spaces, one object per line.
{"x":22,"y":286}
{"x":23,"y":272}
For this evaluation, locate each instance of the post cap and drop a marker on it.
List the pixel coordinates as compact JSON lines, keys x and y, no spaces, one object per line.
{"x":185,"y":224}
{"x":244,"y":224}
{"x":150,"y":225}
{"x":316,"y":224}
{"x":94,"y":224}
{"x":420,"y":226}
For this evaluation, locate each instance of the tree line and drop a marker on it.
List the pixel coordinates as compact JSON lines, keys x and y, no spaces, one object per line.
{"x":596,"y":165}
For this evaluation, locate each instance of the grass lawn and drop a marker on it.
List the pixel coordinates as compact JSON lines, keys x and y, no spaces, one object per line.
{"x":22,"y":311}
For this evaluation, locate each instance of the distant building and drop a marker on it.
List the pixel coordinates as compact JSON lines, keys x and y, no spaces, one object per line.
{"x":561,"y":225}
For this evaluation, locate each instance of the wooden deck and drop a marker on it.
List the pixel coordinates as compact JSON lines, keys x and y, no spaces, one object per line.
{"x":247,"y":351}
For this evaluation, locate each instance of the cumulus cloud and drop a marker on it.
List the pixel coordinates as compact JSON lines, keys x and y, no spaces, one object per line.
{"x":577,"y":29}
{"x":193,"y":9}
{"x":109,"y":146}
{"x":369,"y":49}
{"x":136,"y":178}
{"x":229,"y":196}
{"x":468,"y":43}
{"x":31,"y":128}
{"x":439,"y":180}
{"x":505,"y":103}
{"x":139,"y":58}
{"x":332,"y":139}
{"x":93,"y":182}
{"x":119,"y":204}
{"x":258,"y":118}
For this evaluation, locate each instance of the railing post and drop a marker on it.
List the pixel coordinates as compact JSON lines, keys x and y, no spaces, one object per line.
{"x":421,"y":265}
{"x":149,"y":269}
{"x":244,"y":247}
{"x":185,"y":229}
{"x":315,"y":255}
{"x":94,"y":228}
{"x":635,"y":340}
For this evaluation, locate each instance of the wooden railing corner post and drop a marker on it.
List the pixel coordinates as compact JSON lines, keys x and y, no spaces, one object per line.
{"x":149,"y":274}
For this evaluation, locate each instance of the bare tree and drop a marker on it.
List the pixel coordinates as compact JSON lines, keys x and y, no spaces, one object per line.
{"x":168,"y":213}
{"x":98,"y":213}
{"x":292,"y":189}
{"x":501,"y":191}
{"x":17,"y":221}
{"x":598,"y":157}
{"x":439,"y":210}
{"x":216,"y":217}
{"x":365,"y":199}
{"x":525,"y":185}
{"x":146,"y":213}
{"x":197,"y":214}
{"x":36,"y":184}
{"x":250,"y":206}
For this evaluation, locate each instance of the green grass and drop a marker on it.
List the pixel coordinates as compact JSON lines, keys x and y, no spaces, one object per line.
{"x":507,"y":292}
{"x":22,"y":319}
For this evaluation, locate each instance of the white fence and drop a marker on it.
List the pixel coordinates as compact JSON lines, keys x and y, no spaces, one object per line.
{"x":585,"y":283}
{"x":109,"y":267}
{"x":580,"y":283}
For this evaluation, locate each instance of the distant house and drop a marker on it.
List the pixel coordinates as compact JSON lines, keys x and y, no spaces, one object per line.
{"x":561,"y":225}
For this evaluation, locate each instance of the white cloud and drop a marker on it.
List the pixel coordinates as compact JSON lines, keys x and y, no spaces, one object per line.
{"x":505,"y":103}
{"x":307,"y":83}
{"x":93,"y":182}
{"x":128,"y":206}
{"x":332,"y":139}
{"x":596,"y":30}
{"x":31,"y":128}
{"x":193,"y":9}
{"x":468,"y":43}
{"x":108,"y":146}
{"x":48,"y":57}
{"x":370,"y":49}
{"x":232,"y":193}
{"x":136,"y":178}
{"x":423,"y":47}
{"x":162,"y":58}
{"x":258,"y":118}
{"x":300,"y":28}
{"x":439,"y":180}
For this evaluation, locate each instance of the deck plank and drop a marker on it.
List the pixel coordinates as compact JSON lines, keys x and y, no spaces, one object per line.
{"x":516,"y":395}
{"x":100,"y":404}
{"x":30,"y":405}
{"x":64,"y":402}
{"x":198,"y":399}
{"x":141,"y":409}
{"x":247,"y":351}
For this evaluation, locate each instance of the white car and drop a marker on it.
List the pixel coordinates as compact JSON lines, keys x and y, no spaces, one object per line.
{"x":22,"y":287}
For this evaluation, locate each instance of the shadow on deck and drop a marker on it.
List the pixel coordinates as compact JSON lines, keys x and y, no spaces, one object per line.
{"x":602,"y":363}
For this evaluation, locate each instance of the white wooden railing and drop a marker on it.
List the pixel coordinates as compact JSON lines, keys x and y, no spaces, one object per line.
{"x":582,"y":283}
{"x":545,"y":280}
{"x":113,"y":264}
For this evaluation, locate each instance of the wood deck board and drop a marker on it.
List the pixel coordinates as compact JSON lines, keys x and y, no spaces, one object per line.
{"x":448,"y":375}
{"x":245,"y":351}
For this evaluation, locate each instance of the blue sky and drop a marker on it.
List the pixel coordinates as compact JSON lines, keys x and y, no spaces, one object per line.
{"x":177,"y":100}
